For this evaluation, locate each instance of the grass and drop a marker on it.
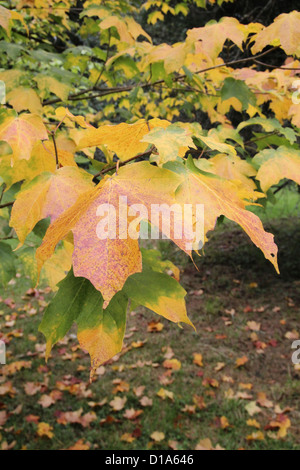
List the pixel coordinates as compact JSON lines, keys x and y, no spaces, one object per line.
{"x":234,"y":285}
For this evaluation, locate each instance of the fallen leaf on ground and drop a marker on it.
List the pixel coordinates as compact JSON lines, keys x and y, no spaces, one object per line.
{"x":118,"y":403}
{"x":44,"y":429}
{"x":241,"y":361}
{"x":173,"y":364}
{"x":127,"y":437}
{"x":157,"y":436}
{"x":80,"y":445}
{"x":252,"y":408}
{"x":198,"y":360}
{"x":146,"y":401}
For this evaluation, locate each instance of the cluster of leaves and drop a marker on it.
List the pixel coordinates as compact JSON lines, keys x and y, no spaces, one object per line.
{"x":49,"y":164}
{"x":158,"y":9}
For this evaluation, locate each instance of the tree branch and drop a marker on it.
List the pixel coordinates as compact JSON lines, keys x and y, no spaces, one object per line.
{"x":7,"y":204}
{"x":283,"y":185}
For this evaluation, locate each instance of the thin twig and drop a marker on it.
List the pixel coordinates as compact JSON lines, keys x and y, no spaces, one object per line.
{"x":7,"y":204}
{"x":283,"y":185}
{"x":55,"y":149}
{"x":107,"y":55}
{"x":8,"y":238}
{"x":261,"y":138}
{"x":59,"y":124}
{"x":275,"y":66}
{"x":119,"y":164}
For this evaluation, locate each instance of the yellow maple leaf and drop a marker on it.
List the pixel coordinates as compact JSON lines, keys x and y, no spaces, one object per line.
{"x":284,"y":31}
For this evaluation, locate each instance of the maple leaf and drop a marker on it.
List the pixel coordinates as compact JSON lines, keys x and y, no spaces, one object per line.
{"x":191,"y":409}
{"x":48,"y":195}
{"x":253,"y":422}
{"x":173,"y":364}
{"x":75,"y":417}
{"x":221,"y":197}
{"x":23,"y":98}
{"x":120,"y":386}
{"x":121,"y":27}
{"x":152,"y":260}
{"x":44,"y":429}
{"x":138,"y":391}
{"x":214,"y":143}
{"x":252,"y":408}
{"x":284,"y":31}
{"x":282,"y":423}
{"x":108,"y":262}
{"x":230,"y":167}
{"x":123,"y":139}
{"x":7,"y":388}
{"x":146,"y":401}
{"x":7,"y":16}
{"x":14,"y":367}
{"x":224,"y":423}
{"x":276,"y":164}
{"x":55,"y":268}
{"x":103,"y":337}
{"x":255,"y":436}
{"x":132,"y":413}
{"x":163,"y":393}
{"x":100,"y":332}
{"x":46,"y":400}
{"x":263,"y":401}
{"x":204,"y":444}
{"x":198,"y":359}
{"x":47,"y":83}
{"x":3,"y":418}
{"x":80,"y":445}
{"x":21,"y":133}
{"x":127,"y":437}
{"x":32,"y":419}
{"x":214,"y":35}
{"x":241,"y":361}
{"x":168,"y":142}
{"x":157,"y":436}
{"x":118,"y":403}
{"x":253,"y":325}
{"x":42,"y":159}
{"x":173,"y":57}
{"x":155,"y":327}
{"x":160,"y":293}
{"x":239,"y":90}
{"x":32,"y":388}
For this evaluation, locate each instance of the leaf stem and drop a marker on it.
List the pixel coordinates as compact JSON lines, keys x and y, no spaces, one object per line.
{"x":2,"y":192}
{"x":55,"y":149}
